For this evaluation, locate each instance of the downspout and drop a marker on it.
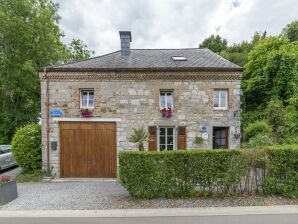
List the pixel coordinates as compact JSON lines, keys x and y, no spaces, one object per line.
{"x":47,"y":121}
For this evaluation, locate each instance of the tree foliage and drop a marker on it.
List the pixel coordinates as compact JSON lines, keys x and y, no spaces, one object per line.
{"x":30,"y":38}
{"x":26,"y":147}
{"x":271,"y":75}
{"x":291,"y":31}
{"x":238,"y":53}
{"x":77,"y":51}
{"x":214,"y":43}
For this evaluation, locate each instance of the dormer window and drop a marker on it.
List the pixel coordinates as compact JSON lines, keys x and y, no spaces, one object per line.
{"x":87,"y":99}
{"x":179,"y":58}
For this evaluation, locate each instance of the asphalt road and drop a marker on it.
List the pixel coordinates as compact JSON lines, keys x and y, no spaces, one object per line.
{"x":218,"y":219}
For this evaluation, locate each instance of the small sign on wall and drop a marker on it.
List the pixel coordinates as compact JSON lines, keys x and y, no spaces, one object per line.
{"x":55,"y":112}
{"x":204,"y":135}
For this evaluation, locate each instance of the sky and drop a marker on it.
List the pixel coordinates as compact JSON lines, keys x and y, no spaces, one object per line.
{"x":170,"y":23}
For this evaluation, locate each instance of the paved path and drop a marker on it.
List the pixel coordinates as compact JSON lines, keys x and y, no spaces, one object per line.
{"x":231,"y":215}
{"x":255,"y":219}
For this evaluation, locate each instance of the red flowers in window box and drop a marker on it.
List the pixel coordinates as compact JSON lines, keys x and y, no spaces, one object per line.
{"x":166,"y":112}
{"x":86,"y":113}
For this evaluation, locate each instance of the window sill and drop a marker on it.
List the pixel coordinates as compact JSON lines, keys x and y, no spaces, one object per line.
{"x":87,"y":108}
{"x":220,"y":108}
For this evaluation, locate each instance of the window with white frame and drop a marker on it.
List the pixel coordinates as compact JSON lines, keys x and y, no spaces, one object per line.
{"x":220,"y":99}
{"x":166,"y":99}
{"x":87,"y":99}
{"x":167,"y":139}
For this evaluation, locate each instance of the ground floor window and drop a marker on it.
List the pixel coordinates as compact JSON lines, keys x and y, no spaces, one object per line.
{"x":220,"y":137}
{"x":167,"y":138}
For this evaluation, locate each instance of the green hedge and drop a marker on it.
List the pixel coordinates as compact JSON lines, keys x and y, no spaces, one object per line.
{"x":282,"y":166}
{"x":205,"y":172}
{"x":177,"y":173}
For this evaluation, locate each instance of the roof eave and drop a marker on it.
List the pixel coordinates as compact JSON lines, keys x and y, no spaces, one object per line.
{"x":152,"y":69}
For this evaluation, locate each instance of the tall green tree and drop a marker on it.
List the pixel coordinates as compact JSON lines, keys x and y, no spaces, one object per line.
{"x":271,"y":74}
{"x":291,"y":31}
{"x":77,"y":51}
{"x":238,"y":53}
{"x":214,"y":43}
{"x":30,"y":38}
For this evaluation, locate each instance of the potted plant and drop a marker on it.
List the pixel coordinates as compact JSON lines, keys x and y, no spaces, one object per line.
{"x":8,"y":190}
{"x":86,"y":112}
{"x":166,"y":112}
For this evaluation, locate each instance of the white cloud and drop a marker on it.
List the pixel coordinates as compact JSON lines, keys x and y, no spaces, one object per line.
{"x":170,"y":23}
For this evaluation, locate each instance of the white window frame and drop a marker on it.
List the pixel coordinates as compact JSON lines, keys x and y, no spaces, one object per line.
{"x":81,"y":99}
{"x":174,"y":137}
{"x":166,"y":100}
{"x":219,"y":99}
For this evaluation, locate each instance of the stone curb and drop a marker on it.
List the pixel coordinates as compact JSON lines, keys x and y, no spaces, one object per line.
{"x":162,"y":212}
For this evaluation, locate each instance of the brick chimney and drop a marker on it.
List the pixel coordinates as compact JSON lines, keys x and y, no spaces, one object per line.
{"x":125,"y":37}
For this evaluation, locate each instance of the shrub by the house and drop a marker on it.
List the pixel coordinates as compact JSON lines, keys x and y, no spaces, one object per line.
{"x":26,"y":148}
{"x":255,"y":129}
{"x":206,"y":172}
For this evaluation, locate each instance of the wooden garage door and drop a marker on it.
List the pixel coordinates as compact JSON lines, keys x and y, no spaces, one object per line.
{"x":88,"y":149}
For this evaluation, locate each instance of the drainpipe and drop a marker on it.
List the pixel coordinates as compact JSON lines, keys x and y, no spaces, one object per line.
{"x":47,"y":121}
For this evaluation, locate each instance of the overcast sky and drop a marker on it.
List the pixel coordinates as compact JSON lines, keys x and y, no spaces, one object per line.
{"x":170,"y":23}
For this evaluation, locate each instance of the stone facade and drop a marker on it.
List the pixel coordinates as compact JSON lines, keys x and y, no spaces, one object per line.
{"x":135,"y":102}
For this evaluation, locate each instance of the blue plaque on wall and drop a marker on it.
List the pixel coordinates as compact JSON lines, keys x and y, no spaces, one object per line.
{"x":55,"y":112}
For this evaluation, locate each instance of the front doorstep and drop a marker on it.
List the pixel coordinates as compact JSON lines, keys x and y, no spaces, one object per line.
{"x":8,"y":192}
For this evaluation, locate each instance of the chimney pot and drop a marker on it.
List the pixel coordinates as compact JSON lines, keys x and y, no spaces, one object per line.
{"x":125,"y":37}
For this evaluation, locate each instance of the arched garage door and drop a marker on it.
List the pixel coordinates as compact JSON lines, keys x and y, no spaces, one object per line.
{"x":88,"y":149}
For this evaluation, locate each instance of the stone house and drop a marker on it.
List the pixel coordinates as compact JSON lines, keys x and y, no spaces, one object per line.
{"x":90,"y":107}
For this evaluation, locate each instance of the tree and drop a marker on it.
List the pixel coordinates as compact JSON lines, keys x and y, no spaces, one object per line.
{"x":270,"y":74}
{"x":291,"y":31}
{"x":77,"y":51}
{"x":238,"y":53}
{"x":214,"y":43}
{"x":30,"y":38}
{"x":140,"y":136}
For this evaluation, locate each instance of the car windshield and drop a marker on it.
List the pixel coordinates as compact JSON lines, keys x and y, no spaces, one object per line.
{"x":4,"y":149}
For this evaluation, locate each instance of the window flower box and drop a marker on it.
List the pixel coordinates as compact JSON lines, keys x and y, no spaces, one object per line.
{"x":166,"y":112}
{"x":8,"y":190}
{"x":86,"y":112}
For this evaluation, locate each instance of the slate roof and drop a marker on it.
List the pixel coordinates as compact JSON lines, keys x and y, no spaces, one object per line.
{"x":151,"y":60}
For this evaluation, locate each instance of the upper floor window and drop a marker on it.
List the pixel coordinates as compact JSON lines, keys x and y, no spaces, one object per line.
{"x":220,"y":99}
{"x":87,"y":99}
{"x":166,"y":99}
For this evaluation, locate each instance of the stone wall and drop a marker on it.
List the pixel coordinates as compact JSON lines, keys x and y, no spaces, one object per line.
{"x":136,"y":103}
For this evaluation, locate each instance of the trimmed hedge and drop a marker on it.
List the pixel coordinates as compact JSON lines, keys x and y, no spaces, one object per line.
{"x":206,"y":172}
{"x":282,"y":165}
{"x":176,"y":173}
{"x":26,"y":148}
